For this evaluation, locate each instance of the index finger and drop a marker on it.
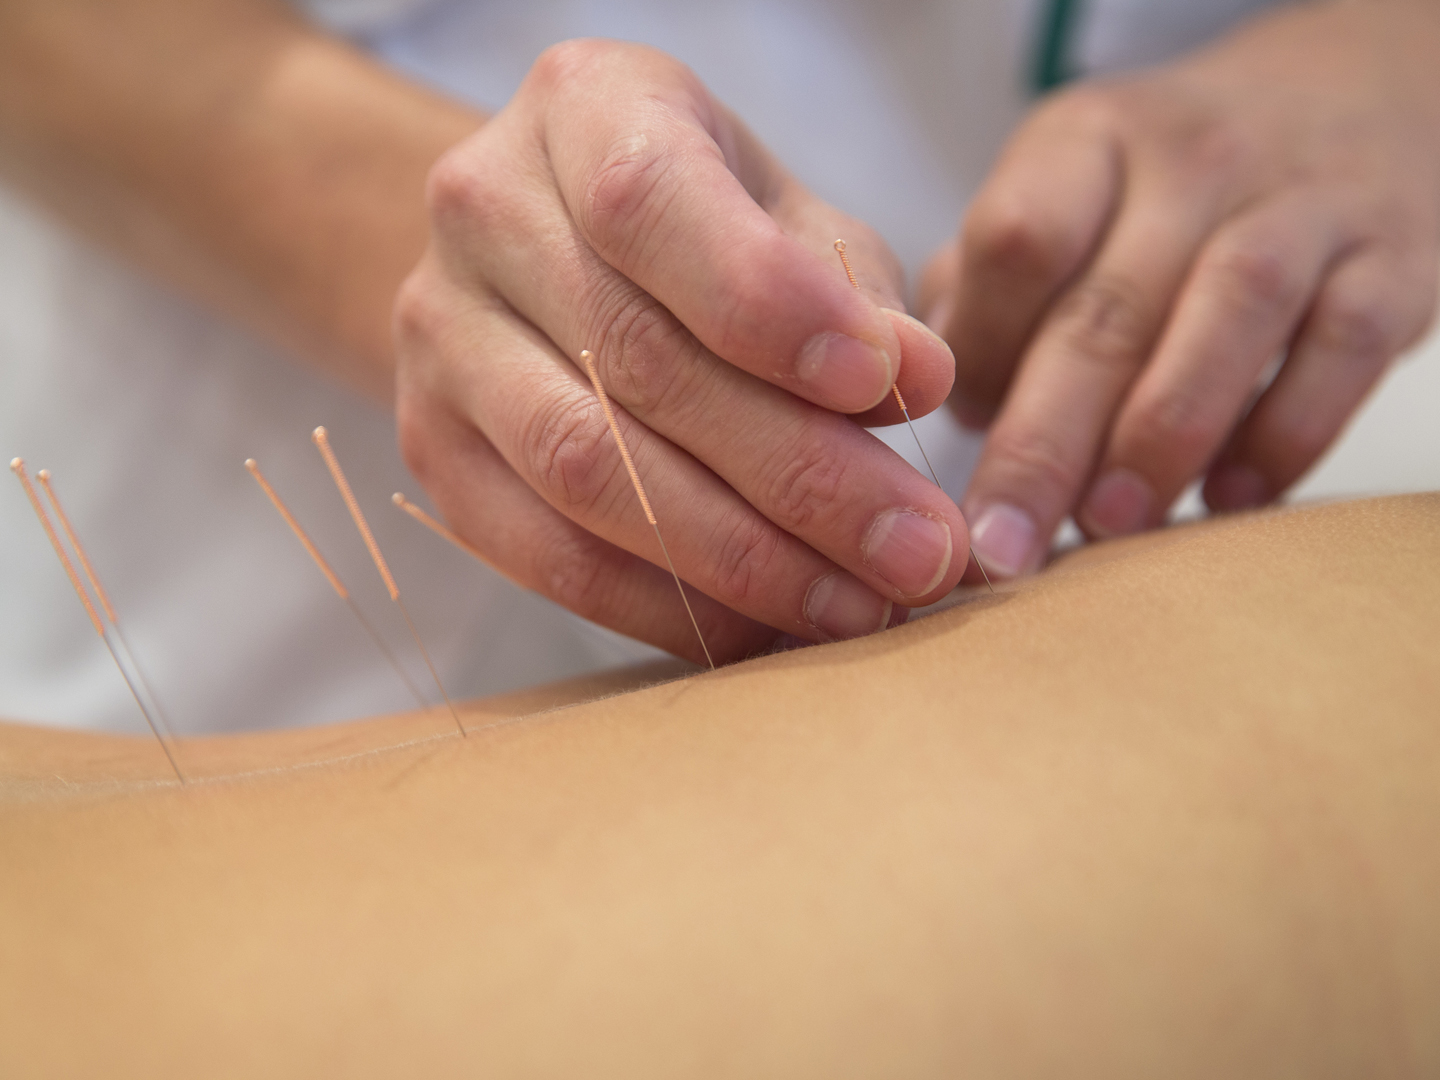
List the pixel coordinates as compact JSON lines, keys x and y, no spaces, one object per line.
{"x":1030,"y":230}
{"x":664,"y":186}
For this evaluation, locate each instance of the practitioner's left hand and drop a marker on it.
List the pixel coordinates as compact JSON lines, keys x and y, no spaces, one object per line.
{"x":1148,"y":247}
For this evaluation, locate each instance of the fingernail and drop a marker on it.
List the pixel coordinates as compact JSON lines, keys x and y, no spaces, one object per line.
{"x":845,"y":373}
{"x":1119,"y":504}
{"x":908,"y":549}
{"x":920,"y":327}
{"x":1236,"y":487}
{"x":841,"y":606}
{"x":1003,"y":539}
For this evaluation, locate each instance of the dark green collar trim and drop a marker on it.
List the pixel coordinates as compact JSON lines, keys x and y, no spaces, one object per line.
{"x":1053,"y":62}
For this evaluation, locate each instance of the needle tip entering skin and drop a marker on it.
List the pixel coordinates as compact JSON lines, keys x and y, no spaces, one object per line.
{"x":899,"y":400}
{"x":338,"y":475}
{"x":17,"y":466}
{"x":983,"y":573}
{"x":588,"y":359}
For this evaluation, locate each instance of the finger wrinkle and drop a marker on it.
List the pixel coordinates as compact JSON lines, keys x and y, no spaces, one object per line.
{"x":564,"y":442}
{"x":749,"y":546}
{"x":649,"y":356}
{"x":1107,"y":321}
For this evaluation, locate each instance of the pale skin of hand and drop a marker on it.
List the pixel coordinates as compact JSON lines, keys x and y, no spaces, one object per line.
{"x":1147,"y":247}
{"x":280,"y":176}
{"x":615,"y":206}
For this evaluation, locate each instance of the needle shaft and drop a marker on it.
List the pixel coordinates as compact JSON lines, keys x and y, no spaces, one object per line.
{"x":684,"y":599}
{"x":849,"y":273}
{"x":334,"y":579}
{"x":322,"y":440}
{"x":17,"y":466}
{"x":100,"y":594}
{"x":588,"y":359}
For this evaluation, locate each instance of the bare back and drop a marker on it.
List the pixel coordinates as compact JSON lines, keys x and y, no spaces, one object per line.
{"x":1170,"y":808}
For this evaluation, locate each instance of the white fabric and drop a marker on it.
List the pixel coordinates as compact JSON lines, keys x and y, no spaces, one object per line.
{"x":354,"y":16}
{"x":144,"y":406}
{"x":1116,"y":34}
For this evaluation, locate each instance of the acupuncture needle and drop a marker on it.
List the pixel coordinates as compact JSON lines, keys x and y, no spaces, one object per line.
{"x":588,"y":359}
{"x":895,"y":389}
{"x":322,"y":441}
{"x":436,"y":527}
{"x":105,"y":605}
{"x":334,"y":580}
{"x":17,"y":466}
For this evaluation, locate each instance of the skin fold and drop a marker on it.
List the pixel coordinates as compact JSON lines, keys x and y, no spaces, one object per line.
{"x":1168,"y":808}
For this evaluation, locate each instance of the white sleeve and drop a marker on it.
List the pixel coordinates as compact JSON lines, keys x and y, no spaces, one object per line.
{"x":357,"y":16}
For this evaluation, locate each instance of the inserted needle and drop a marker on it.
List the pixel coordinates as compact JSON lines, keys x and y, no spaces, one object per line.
{"x":434,"y":526}
{"x":322,"y":442}
{"x":895,"y":389}
{"x":17,"y":466}
{"x":44,"y":477}
{"x":334,"y":580}
{"x":588,"y":359}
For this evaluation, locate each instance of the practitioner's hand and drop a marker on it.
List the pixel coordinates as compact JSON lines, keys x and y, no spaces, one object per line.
{"x":614,"y":205}
{"x":1147,"y":248}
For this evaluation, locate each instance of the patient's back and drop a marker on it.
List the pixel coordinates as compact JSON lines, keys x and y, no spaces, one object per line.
{"x":1168,"y":809}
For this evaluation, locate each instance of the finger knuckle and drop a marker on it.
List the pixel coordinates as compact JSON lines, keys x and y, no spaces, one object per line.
{"x":1179,"y":131}
{"x":457,"y":188}
{"x":1200,"y":145}
{"x":566,"y":61}
{"x":565,"y":443}
{"x":748,"y":546}
{"x":808,"y":482}
{"x":1360,"y":327}
{"x":1106,"y":321}
{"x":1006,"y":238}
{"x":573,"y":66}
{"x":423,"y":321}
{"x":1035,"y":462}
{"x":647,"y":353}
{"x":1172,"y":429}
{"x":418,"y":315}
{"x":624,"y":198}
{"x":1093,"y":108}
{"x":470,"y":196}
{"x":1253,"y":274}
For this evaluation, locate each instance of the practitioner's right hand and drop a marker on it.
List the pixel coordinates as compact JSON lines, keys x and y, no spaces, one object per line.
{"x":614,"y":205}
